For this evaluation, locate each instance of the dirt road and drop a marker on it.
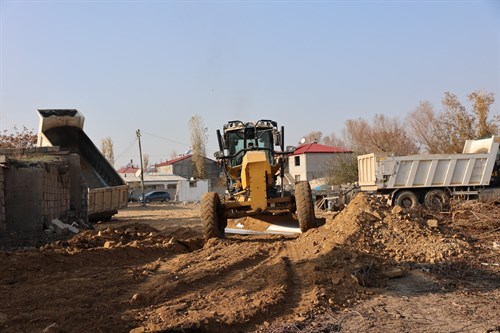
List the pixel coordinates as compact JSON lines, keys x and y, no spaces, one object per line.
{"x":370,"y":268}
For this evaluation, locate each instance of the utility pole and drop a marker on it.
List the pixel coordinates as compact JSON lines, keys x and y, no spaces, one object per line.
{"x":138,"y":133}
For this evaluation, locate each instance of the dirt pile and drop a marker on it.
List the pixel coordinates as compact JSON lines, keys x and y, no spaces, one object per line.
{"x":132,"y":277}
{"x":370,"y":225}
{"x":134,"y":235}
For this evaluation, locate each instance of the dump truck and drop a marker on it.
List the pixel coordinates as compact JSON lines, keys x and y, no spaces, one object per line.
{"x":433,"y":179}
{"x":251,"y":167}
{"x":107,"y":191}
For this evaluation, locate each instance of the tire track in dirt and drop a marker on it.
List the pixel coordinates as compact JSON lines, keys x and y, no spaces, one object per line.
{"x":223,"y":285}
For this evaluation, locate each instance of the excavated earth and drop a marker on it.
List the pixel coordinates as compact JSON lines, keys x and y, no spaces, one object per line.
{"x":369,"y":268}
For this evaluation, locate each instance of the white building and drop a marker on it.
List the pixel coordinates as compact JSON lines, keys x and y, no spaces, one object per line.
{"x":312,"y":161}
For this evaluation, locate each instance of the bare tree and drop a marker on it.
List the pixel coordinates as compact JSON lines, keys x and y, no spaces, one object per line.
{"x":198,"y":141}
{"x":481,"y":102}
{"x":314,"y":136}
{"x":383,"y":135}
{"x":334,"y":140}
{"x":454,"y":125}
{"x":422,"y":127}
{"x":17,"y":138}
{"x":173,"y":154}
{"x":447,"y":131}
{"x":107,"y":149}
{"x":145,"y":160}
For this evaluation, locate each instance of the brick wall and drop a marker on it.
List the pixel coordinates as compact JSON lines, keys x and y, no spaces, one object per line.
{"x":55,"y":192}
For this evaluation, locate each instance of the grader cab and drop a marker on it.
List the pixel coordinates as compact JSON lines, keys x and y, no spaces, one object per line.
{"x":252,"y":167}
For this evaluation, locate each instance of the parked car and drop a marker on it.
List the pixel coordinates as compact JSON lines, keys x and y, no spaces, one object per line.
{"x":134,"y":197}
{"x":162,"y":196}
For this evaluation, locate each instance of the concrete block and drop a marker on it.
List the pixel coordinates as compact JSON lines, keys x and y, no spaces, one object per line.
{"x":61,"y":227}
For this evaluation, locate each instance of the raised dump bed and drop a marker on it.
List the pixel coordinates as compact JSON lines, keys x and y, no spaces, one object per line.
{"x":107,"y":192}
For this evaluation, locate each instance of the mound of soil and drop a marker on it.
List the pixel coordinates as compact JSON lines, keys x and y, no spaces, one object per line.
{"x":369,"y":268}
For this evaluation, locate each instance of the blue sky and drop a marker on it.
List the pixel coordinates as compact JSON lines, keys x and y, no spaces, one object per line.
{"x":310,"y":65}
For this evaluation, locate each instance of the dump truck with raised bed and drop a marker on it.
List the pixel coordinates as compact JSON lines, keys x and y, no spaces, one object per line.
{"x":251,"y":167}
{"x":107,"y":192}
{"x":433,"y":179}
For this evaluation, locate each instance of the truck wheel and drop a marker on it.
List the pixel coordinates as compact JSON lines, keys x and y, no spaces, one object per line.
{"x":305,"y":207}
{"x":437,"y":200}
{"x":407,"y":199}
{"x":212,"y":216}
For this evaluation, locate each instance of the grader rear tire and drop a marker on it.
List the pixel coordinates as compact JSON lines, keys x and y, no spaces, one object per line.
{"x":212,"y":216}
{"x":305,"y":206}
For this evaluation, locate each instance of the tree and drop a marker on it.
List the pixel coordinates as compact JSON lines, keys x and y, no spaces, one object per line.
{"x":314,"y":136}
{"x":446,"y":132}
{"x":481,"y":102}
{"x":107,"y":150}
{"x":198,"y":141}
{"x":422,"y":127}
{"x":385,"y":134}
{"x":343,"y":169}
{"x":333,"y":140}
{"x":454,"y":125}
{"x":174,"y":154}
{"x":17,"y":138}
{"x":145,"y":160}
{"x":329,"y":140}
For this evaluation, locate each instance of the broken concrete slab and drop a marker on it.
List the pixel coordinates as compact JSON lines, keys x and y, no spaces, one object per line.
{"x":60,"y":227}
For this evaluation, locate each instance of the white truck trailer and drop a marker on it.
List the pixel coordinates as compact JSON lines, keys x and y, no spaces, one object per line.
{"x":433,"y":179}
{"x":107,"y":192}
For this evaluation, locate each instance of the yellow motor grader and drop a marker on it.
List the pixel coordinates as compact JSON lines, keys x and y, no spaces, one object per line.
{"x":251,"y":167}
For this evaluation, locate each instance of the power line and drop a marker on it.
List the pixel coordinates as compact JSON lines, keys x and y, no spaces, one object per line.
{"x":126,"y":150}
{"x":166,"y":139}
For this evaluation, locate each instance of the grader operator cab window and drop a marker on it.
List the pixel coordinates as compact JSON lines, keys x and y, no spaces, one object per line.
{"x":249,"y":138}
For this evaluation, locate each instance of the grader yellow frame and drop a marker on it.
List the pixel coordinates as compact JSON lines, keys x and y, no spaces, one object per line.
{"x":252,"y":167}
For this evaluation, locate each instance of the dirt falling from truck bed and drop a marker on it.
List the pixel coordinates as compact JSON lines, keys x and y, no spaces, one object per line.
{"x":135,"y":277}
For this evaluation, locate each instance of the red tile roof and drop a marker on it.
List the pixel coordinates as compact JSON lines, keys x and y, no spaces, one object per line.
{"x":318,"y":148}
{"x":127,"y":170}
{"x":178,"y":159}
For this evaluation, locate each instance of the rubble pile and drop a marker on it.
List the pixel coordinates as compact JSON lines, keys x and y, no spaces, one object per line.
{"x":133,"y":236}
{"x":370,"y":225}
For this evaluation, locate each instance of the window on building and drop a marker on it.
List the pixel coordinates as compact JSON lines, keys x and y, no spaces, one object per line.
{"x":171,"y":186}
{"x":297,"y":160}
{"x":193,"y":184}
{"x":297,"y":178}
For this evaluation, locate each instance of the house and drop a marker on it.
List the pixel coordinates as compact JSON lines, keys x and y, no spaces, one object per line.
{"x":183,"y":167}
{"x":152,"y":181}
{"x":128,"y":171}
{"x":311,"y":161}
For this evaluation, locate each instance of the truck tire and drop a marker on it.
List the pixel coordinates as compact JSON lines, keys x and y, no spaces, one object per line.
{"x":305,"y":207}
{"x":406,"y":199}
{"x":212,"y":216}
{"x":437,"y":200}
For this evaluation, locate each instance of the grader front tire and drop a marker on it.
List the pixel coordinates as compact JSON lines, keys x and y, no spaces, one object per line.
{"x":212,"y":216}
{"x":305,"y":206}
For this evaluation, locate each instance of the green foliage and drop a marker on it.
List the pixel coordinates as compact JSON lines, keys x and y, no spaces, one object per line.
{"x":343,"y":169}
